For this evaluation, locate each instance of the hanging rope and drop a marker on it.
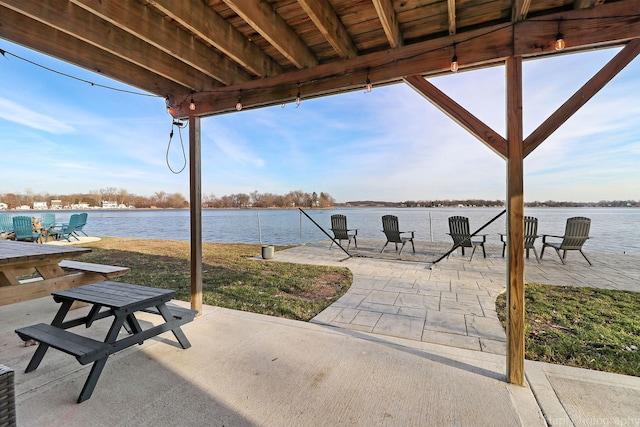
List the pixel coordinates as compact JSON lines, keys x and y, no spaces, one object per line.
{"x":180,"y":126}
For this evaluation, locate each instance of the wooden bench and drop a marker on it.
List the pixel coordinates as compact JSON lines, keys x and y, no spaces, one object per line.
{"x":178,"y":313}
{"x":108,"y":271}
{"x":86,"y":350}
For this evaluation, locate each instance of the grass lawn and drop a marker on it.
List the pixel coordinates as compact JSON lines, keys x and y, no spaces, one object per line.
{"x":585,"y":327}
{"x":232,"y":277}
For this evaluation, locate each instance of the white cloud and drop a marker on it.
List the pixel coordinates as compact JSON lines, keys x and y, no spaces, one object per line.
{"x":16,"y":113}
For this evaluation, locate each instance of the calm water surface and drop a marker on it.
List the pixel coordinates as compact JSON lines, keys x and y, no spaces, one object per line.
{"x":613,"y":230}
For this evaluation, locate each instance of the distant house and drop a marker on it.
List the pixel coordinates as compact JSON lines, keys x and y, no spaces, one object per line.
{"x":40,"y":205}
{"x":109,"y":205}
{"x":56,"y":204}
{"x":3,"y":206}
{"x":80,"y":206}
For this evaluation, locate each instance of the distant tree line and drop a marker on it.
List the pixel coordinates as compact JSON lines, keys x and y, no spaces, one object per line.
{"x":256,"y":199}
{"x":292,"y":199}
{"x":490,"y":203}
{"x":164,"y":200}
{"x":160,"y":199}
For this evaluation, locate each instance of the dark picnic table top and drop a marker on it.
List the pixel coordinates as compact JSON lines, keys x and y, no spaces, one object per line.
{"x":117,"y":295}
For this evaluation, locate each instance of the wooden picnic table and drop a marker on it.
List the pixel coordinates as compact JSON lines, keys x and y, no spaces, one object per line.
{"x":29,"y":270}
{"x":121,"y":301}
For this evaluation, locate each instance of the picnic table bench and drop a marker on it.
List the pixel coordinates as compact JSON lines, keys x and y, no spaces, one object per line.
{"x":109,"y":299}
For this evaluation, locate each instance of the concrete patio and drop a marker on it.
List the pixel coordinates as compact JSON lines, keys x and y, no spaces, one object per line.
{"x":409,"y":344}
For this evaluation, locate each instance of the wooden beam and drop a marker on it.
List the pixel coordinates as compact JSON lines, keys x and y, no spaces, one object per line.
{"x":204,"y":22}
{"x":327,"y":21}
{"x":93,"y":30}
{"x":43,"y":38}
{"x":582,"y":95}
{"x":451,"y":8}
{"x":389,"y":21}
{"x":195,"y":211}
{"x":146,"y":24}
{"x":515,"y":224}
{"x":432,"y":57}
{"x":262,"y":18}
{"x":475,"y":126}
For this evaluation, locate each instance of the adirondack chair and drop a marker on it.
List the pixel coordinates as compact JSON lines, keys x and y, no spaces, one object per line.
{"x":82,"y":221}
{"x":341,"y":231}
{"x":6,"y":225}
{"x":23,"y":227}
{"x":576,"y":233}
{"x":68,"y":230}
{"x":461,"y":235}
{"x":391,"y":229}
{"x":530,"y":236}
{"x":48,"y":221}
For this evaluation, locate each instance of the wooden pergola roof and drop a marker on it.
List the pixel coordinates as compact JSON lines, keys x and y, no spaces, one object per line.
{"x":268,"y":51}
{"x":215,"y":53}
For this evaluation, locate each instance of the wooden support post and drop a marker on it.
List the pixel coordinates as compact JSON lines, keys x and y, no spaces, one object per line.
{"x":515,"y":223}
{"x":195,"y":208}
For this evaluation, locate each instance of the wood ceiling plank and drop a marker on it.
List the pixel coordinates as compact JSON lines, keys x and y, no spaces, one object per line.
{"x":204,"y":22}
{"x":272,"y":27}
{"x":389,"y":21}
{"x":329,"y":24}
{"x":464,"y":118}
{"x":91,"y":29}
{"x":25,"y":31}
{"x":146,"y":24}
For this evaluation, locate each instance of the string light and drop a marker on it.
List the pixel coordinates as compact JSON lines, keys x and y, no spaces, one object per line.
{"x":298,"y":99}
{"x":454,"y":60}
{"x":368,"y":85}
{"x":192,"y":104}
{"x":560,"y":44}
{"x":239,"y":103}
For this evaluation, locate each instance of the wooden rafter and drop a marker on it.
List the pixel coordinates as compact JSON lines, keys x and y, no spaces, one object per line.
{"x":262,"y":18}
{"x":520,"y":10}
{"x":327,"y":21}
{"x":464,"y":118}
{"x":215,"y":30}
{"x":95,"y":31}
{"x":24,"y":30}
{"x":143,"y":23}
{"x":389,"y":21}
{"x":451,"y":9}
{"x":584,"y":94}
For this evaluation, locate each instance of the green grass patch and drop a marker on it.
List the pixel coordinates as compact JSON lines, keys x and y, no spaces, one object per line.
{"x":232,"y":277}
{"x":589,"y":328}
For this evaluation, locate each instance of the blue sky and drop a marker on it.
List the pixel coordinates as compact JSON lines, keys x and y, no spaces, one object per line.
{"x":60,"y":135}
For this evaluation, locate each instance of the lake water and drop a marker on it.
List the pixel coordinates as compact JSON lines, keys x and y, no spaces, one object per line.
{"x":613,"y":230}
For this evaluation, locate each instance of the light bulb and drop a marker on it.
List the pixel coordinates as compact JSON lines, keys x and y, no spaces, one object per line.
{"x":454,"y":63}
{"x":192,"y":105}
{"x":239,"y":104}
{"x":298,"y":100}
{"x":560,"y":44}
{"x":368,"y":85}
